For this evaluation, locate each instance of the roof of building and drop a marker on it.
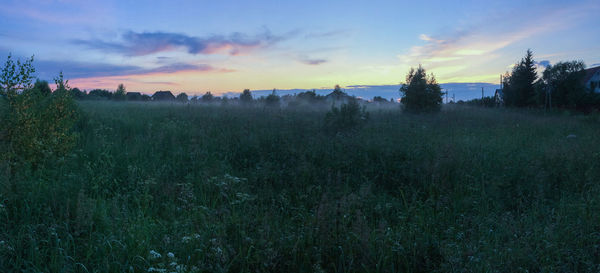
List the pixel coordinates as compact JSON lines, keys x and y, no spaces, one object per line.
{"x":163,"y":95}
{"x":337,"y":94}
{"x":589,"y":73}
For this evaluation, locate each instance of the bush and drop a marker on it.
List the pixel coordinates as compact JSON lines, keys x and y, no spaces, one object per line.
{"x":348,"y":118}
{"x":246,"y":97}
{"x":208,"y":97}
{"x":183,"y":97}
{"x":272,"y":100}
{"x":37,"y":127}
{"x":485,"y":102}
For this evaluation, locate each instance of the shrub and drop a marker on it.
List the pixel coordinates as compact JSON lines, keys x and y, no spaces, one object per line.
{"x":272,"y":100}
{"x":183,"y":97}
{"x":37,"y":127}
{"x":208,"y":97}
{"x":349,"y":117}
{"x":246,"y":97}
{"x":485,"y":102}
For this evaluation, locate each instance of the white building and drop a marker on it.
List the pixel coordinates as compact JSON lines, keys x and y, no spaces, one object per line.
{"x":592,"y":79}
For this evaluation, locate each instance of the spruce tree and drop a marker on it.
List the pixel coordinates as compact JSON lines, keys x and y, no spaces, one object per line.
{"x":519,"y":88}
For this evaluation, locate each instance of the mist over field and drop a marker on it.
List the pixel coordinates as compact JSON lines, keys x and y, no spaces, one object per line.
{"x":461,"y":91}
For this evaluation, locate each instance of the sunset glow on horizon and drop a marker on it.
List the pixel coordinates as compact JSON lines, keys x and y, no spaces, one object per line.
{"x":227,"y":46}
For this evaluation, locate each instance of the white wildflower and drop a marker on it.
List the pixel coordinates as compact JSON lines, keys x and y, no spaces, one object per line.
{"x":171,"y":255}
{"x":154,"y":254}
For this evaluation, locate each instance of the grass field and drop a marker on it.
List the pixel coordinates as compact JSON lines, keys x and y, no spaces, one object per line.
{"x":188,"y":188}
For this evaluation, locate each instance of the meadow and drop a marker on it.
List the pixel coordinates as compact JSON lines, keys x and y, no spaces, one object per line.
{"x":154,"y":187}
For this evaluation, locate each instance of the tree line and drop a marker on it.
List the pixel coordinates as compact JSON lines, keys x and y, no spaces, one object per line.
{"x":559,"y":86}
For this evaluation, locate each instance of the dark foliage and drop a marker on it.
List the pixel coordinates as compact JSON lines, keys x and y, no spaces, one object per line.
{"x":76,"y":93}
{"x":37,"y":126}
{"x":43,"y":87}
{"x":182,"y":97}
{"x":246,"y":97}
{"x":120,"y":94}
{"x":99,"y":94}
{"x":349,"y":117}
{"x":208,"y":97}
{"x":272,"y":100}
{"x":421,"y":93}
{"x":485,"y":102}
{"x":519,"y":90}
{"x":562,"y":86}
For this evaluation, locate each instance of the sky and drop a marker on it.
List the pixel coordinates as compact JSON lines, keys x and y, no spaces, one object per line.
{"x":227,"y":46}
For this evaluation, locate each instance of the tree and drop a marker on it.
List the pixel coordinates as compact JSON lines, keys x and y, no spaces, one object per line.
{"x":421,"y":93}
{"x":207,"y":97}
{"x":16,"y":76}
{"x":182,"y":97}
{"x":61,"y":84}
{"x":272,"y":99}
{"x":43,"y":87}
{"x":99,"y":94}
{"x":121,"y":93}
{"x":519,"y":90}
{"x":564,"y":83}
{"x":348,"y":118}
{"x":36,"y":127}
{"x":246,"y":96}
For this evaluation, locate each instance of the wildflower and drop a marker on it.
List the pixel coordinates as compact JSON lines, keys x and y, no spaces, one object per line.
{"x":154,"y":254}
{"x":171,"y":255}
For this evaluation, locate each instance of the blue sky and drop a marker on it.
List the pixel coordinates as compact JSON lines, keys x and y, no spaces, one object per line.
{"x":226,"y":46}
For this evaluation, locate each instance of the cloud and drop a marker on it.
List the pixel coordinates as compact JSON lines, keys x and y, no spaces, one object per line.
{"x":544,"y":63}
{"x":481,"y":44}
{"x":314,"y":61}
{"x":145,"y":43}
{"x":426,"y":37}
{"x":49,"y":69}
{"x":326,"y":34}
{"x":310,"y":61}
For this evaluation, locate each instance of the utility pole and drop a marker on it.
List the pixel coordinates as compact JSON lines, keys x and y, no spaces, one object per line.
{"x":446,"y":96}
{"x":482,"y":102}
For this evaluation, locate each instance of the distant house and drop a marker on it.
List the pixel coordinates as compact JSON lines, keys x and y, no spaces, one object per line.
{"x":133,"y":96}
{"x":592,"y":79}
{"x":338,"y":95}
{"x":163,"y":96}
{"x":499,"y":97}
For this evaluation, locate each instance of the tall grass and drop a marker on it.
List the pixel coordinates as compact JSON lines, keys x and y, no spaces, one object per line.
{"x":187,"y":188}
